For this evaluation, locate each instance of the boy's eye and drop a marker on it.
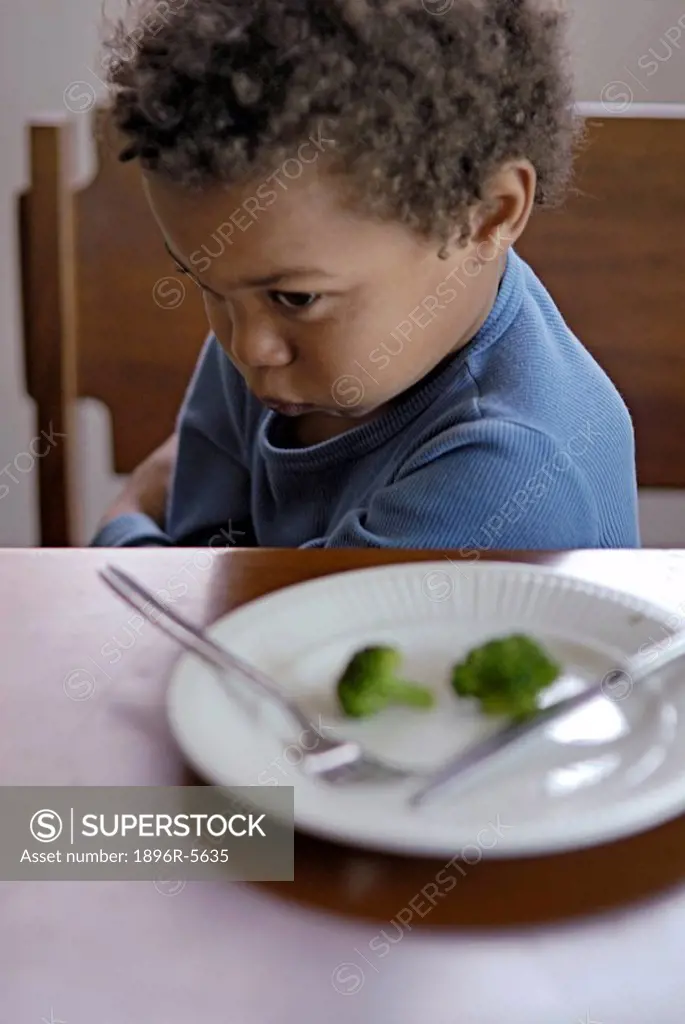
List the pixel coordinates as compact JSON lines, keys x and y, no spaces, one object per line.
{"x":294,"y":300}
{"x":289,"y":300}
{"x":202,"y":287}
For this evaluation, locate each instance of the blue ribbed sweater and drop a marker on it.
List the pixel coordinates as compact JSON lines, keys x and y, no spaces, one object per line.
{"x":519,"y":440}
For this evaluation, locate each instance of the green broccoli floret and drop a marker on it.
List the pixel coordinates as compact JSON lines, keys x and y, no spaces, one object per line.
{"x":370,"y":683}
{"x":506,"y":675}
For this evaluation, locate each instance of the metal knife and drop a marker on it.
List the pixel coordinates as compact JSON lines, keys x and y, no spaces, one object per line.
{"x":633,"y":671}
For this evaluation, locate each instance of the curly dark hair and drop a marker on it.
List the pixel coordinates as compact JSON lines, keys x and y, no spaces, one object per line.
{"x":424,"y":99}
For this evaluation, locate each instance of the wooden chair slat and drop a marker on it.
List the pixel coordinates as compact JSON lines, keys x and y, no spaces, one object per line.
{"x":47,"y":248}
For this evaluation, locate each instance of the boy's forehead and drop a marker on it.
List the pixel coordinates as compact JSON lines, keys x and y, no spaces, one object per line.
{"x":307,"y":219}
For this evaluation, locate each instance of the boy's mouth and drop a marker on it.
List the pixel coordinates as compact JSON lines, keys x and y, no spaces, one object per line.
{"x":286,"y":408}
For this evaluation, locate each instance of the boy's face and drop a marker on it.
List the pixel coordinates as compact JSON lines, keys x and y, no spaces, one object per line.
{"x":323,"y":310}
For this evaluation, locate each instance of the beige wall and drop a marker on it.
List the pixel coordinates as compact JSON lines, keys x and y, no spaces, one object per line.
{"x":612,"y":42}
{"x":46,"y":45}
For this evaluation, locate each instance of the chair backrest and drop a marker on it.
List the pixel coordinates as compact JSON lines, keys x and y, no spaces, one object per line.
{"x":105,"y":314}
{"x":613,"y":258}
{"x":106,"y":317}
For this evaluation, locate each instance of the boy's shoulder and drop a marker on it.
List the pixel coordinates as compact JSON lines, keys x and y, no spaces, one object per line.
{"x":528,"y":389}
{"x":538,"y":373}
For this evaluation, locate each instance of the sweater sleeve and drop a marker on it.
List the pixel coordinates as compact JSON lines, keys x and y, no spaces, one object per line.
{"x":210,"y":489}
{"x":508,"y":487}
{"x":133,"y":530}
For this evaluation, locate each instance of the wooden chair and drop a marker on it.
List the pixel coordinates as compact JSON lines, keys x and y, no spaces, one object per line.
{"x":105,"y":315}
{"x":99,"y":323}
{"x":613,"y":258}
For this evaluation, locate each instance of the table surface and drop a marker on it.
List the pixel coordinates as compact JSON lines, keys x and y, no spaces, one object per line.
{"x":589,"y":936}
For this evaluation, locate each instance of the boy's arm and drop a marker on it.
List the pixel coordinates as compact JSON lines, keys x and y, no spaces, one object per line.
{"x":513,"y":492}
{"x":136,"y":516}
{"x":197,"y":484}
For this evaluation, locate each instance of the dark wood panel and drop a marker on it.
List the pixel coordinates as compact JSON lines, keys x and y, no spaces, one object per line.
{"x":46,"y":231}
{"x":613,"y":258}
{"x":134,"y":354}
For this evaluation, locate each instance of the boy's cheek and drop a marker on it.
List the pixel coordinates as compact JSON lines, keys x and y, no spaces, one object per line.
{"x":379,"y":359}
{"x":220,"y":325}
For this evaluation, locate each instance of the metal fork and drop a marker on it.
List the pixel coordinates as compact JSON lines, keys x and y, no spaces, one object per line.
{"x":333,"y":760}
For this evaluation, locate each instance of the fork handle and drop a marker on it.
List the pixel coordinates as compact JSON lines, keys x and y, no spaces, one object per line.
{"x":194,"y":639}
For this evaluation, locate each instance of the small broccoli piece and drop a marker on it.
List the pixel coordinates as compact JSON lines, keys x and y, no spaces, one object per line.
{"x":506,"y":675}
{"x":370,"y":683}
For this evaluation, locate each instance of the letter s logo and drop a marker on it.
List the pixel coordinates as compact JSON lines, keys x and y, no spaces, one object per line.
{"x":46,"y":826}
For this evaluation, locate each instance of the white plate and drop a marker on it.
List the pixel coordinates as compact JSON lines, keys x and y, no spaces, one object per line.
{"x":615,"y":767}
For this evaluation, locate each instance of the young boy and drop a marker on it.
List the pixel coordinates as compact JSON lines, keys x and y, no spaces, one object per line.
{"x":345,"y":180}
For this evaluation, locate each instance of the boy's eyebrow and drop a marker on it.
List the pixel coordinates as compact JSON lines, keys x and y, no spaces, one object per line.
{"x":258,"y":282}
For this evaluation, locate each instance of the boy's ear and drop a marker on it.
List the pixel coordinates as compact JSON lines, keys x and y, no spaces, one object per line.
{"x":508,"y":201}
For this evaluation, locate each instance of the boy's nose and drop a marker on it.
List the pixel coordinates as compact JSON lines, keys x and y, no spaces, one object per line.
{"x":258,"y":345}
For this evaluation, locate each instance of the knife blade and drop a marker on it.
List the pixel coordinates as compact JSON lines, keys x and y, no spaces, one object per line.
{"x":633,"y":671}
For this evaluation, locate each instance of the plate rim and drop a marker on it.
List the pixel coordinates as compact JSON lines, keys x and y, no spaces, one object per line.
{"x":619,"y":596}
